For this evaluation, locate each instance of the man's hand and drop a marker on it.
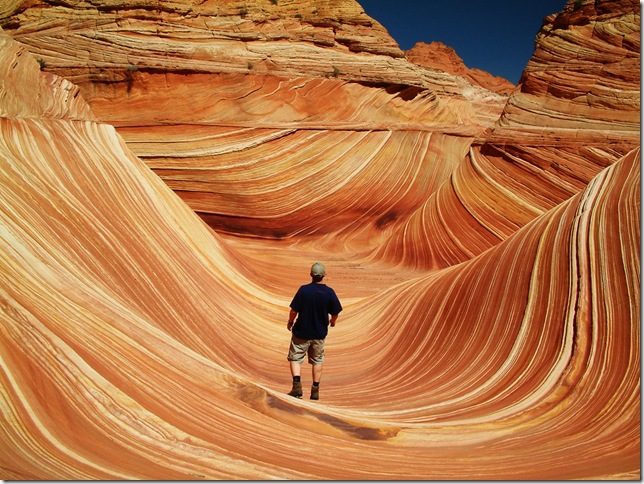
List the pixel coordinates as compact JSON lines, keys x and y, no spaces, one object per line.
{"x":291,"y":319}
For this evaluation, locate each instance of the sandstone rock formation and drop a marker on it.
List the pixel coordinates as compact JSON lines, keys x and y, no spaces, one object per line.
{"x":487,"y":254}
{"x":437,"y":55}
{"x":583,"y":79}
{"x":565,"y":123}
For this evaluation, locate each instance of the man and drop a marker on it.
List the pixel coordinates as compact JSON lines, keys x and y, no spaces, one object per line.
{"x":312,"y":305}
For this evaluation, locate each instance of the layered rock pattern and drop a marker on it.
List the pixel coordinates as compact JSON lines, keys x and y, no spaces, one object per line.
{"x":582,"y":83}
{"x":162,"y":73}
{"x":548,"y":143}
{"x":437,"y":55}
{"x":489,"y":271}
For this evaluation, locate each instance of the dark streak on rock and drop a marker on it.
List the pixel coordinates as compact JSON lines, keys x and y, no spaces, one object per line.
{"x":363,"y":433}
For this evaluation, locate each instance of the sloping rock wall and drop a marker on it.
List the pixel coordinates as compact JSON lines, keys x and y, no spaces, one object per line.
{"x":490,"y":281}
{"x":437,"y":55}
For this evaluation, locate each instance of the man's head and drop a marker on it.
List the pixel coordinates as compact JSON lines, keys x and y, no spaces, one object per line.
{"x":317,"y":272}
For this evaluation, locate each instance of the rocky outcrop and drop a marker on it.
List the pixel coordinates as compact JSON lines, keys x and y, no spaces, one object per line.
{"x":176,"y":80}
{"x":437,"y":55}
{"x":583,"y":79}
{"x":575,"y":112}
{"x":28,"y":93}
{"x":490,"y":281}
{"x":107,"y":42}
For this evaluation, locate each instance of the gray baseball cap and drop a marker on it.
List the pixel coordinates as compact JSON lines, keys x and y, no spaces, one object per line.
{"x":318,"y":269}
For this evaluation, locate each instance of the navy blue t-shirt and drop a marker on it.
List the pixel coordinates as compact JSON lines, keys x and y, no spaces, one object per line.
{"x":313,"y":303}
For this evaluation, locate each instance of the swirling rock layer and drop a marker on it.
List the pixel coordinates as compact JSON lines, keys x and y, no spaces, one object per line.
{"x":489,"y":271}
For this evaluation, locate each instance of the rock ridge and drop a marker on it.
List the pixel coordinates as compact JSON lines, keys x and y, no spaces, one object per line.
{"x":442,"y":57}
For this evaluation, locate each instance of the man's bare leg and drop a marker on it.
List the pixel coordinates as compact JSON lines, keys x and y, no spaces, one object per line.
{"x":317,"y":372}
{"x":296,"y":368}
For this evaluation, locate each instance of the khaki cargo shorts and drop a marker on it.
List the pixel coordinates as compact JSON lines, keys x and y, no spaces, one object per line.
{"x":300,"y":347}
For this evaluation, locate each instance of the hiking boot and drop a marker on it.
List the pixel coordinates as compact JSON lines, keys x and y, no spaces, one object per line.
{"x":296,"y":391}
{"x":315,"y":393}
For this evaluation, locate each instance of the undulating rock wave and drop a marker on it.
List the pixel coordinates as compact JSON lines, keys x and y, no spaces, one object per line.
{"x":152,"y":237}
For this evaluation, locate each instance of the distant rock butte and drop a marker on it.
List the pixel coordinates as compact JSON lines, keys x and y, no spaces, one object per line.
{"x":486,"y":248}
{"x":437,"y":55}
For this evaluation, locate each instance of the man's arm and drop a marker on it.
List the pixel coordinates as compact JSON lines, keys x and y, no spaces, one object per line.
{"x":334,"y":308}
{"x":332,"y":320}
{"x":291,"y":319}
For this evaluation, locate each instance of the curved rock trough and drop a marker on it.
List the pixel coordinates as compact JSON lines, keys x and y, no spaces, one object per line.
{"x":168,"y":172}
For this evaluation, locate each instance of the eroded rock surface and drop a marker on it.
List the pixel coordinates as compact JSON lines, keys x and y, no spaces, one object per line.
{"x":437,"y":55}
{"x":487,"y":254}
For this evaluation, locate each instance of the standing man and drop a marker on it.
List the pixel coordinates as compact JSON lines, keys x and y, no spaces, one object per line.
{"x":312,"y":304}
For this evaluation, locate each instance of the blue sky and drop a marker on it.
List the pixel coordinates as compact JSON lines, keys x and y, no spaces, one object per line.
{"x":494,"y":35}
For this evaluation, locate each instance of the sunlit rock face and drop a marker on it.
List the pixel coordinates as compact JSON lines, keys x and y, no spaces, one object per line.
{"x":583,"y":79}
{"x":488,"y":264}
{"x":575,"y":112}
{"x":437,"y":55}
{"x":195,"y":87}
